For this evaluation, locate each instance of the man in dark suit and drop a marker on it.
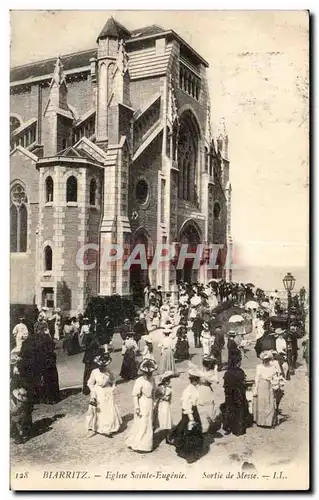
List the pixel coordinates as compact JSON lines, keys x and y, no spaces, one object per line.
{"x":218,"y":346}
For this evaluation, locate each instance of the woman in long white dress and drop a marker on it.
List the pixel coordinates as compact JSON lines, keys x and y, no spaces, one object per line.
{"x":140,"y":437}
{"x":164,"y":310}
{"x":167,"y":346}
{"x":102,"y":387}
{"x":266,"y":381}
{"x":206,"y":402}
{"x":206,"y":339}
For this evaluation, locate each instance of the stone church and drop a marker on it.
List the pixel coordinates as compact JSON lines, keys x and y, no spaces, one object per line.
{"x":113,"y":145}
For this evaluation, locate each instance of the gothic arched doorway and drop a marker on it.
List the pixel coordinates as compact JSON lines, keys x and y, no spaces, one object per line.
{"x":139,"y":277}
{"x":190,"y":236}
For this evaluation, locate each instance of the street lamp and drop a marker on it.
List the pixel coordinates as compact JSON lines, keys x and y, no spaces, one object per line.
{"x":289,"y":283}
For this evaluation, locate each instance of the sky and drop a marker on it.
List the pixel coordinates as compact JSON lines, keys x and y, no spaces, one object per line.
{"x":258,"y":82}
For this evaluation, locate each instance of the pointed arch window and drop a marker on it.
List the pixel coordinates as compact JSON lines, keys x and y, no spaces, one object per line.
{"x":93,"y":192}
{"x":217,"y":210}
{"x":49,"y":188}
{"x":72,"y":189}
{"x":48,"y":257}
{"x":18,"y":219}
{"x":187,"y":159}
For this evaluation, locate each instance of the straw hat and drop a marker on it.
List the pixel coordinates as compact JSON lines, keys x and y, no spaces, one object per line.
{"x":279,"y":331}
{"x":194,"y":372}
{"x":148,"y":366}
{"x":166,"y":376}
{"x":266,"y":355}
{"x":20,"y":394}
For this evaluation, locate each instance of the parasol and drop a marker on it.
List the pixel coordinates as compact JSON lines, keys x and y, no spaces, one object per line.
{"x":251,"y":304}
{"x":266,"y":305}
{"x":236,"y":318}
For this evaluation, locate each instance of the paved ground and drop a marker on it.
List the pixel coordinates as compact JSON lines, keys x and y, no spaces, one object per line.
{"x":63,"y":441}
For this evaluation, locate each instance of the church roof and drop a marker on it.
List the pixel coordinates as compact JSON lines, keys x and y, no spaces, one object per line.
{"x":114,"y":29}
{"x":147,"y":31}
{"x":71,"y":152}
{"x":46,"y":67}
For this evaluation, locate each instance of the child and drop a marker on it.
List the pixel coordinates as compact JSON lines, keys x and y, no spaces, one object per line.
{"x":148,"y":349}
{"x":156,"y":318}
{"x":164,"y":394}
{"x":21,"y":415}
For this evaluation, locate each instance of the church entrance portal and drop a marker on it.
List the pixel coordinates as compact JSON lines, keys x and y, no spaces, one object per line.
{"x":139,"y":277}
{"x":189,"y":236}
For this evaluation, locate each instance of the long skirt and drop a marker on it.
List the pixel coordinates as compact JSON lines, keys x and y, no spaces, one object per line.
{"x":188,"y":444}
{"x":108,"y":418}
{"x":163,"y":417}
{"x":167,"y":362}
{"x":140,"y":437}
{"x":129,"y":366}
{"x":235,"y":415}
{"x":264,"y":405}
{"x":51,"y":390}
{"x":181,"y":350}
{"x":207,"y":344}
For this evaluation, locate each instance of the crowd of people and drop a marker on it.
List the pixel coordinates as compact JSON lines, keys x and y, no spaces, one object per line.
{"x":193,"y":317}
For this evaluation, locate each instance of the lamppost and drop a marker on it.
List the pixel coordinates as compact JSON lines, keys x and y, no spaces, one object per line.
{"x":289,"y":283}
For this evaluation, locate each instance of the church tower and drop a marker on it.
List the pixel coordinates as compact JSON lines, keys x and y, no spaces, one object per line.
{"x":113,"y":125}
{"x":57,"y":117}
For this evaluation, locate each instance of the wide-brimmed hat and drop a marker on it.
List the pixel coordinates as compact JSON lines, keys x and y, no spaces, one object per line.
{"x":85,"y":319}
{"x":166,"y":376}
{"x":21,"y":318}
{"x":20,"y":394}
{"x":209,"y":361}
{"x":126,"y":320}
{"x":266,"y":355}
{"x":194,"y":372}
{"x":103,"y":359}
{"x":148,"y":366}
{"x":205,"y":324}
{"x":148,"y":339}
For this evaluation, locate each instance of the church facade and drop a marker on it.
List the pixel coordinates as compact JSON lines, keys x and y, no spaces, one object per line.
{"x":113,"y":146}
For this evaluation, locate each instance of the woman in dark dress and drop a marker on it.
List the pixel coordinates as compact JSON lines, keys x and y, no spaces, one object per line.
{"x":129,"y":364}
{"x":182,"y":345}
{"x":235,"y":411}
{"x":187,"y":437}
{"x":50,"y":378}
